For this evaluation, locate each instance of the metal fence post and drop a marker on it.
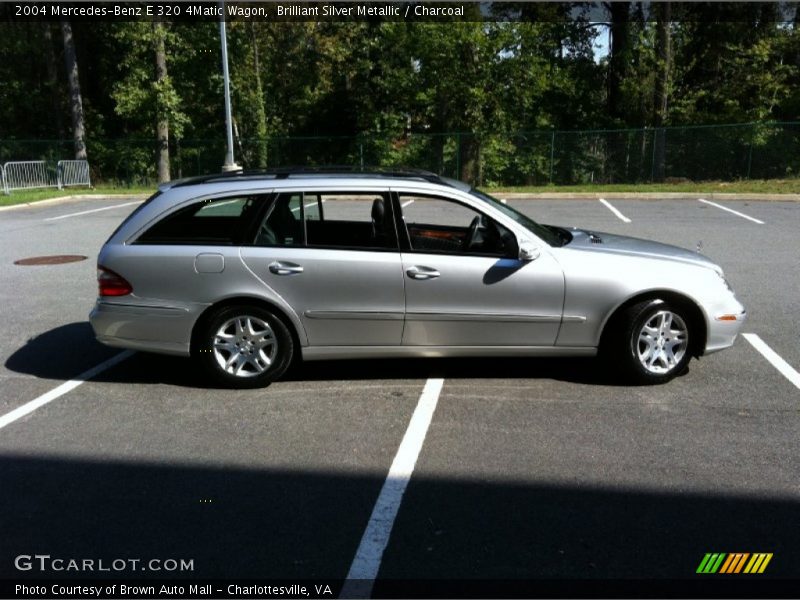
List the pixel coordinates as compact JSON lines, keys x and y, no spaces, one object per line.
{"x":552,"y":153}
{"x":458,"y":155}
{"x":653,"y":156}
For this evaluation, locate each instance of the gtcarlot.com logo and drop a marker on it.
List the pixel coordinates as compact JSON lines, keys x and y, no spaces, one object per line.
{"x":734,"y":563}
{"x":46,"y":563}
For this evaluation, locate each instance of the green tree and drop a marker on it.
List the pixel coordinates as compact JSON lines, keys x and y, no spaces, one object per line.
{"x":734,"y":70}
{"x":145,"y":94}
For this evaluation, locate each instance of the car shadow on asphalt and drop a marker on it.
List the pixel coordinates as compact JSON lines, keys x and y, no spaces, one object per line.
{"x":235,"y":522}
{"x":60,"y":353}
{"x":590,"y":371}
{"x":65,"y":352}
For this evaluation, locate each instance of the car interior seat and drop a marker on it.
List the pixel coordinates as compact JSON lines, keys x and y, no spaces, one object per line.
{"x":379,"y":222}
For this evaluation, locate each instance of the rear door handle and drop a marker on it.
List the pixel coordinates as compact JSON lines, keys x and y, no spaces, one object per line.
{"x":420,"y":272}
{"x":284,"y":268}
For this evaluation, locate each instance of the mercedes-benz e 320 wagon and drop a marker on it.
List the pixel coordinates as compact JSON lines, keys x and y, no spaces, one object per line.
{"x":246,"y":271}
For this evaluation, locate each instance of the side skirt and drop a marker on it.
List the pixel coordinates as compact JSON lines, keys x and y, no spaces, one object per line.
{"x":346,"y":352}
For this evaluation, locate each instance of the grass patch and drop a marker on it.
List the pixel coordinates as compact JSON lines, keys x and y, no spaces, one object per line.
{"x":26,"y":196}
{"x":753,"y":186}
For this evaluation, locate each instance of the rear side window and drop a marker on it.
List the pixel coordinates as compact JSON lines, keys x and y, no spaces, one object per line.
{"x":348,"y":220}
{"x":354,"y":220}
{"x":283,"y":225}
{"x":219,"y":221}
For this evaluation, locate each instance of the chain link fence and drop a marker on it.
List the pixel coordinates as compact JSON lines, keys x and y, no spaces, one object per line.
{"x":697,"y":153}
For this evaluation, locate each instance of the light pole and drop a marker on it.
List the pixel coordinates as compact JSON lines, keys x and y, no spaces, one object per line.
{"x":229,"y":165}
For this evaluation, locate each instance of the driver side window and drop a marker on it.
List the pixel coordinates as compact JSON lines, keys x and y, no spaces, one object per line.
{"x":440,"y":225}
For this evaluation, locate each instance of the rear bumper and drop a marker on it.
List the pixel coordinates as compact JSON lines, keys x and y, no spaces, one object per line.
{"x":162,"y":329}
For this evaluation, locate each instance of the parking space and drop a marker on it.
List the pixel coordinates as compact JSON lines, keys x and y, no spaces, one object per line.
{"x":144,"y":463}
{"x":527,"y":468}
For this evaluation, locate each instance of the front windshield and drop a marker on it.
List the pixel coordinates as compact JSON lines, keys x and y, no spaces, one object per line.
{"x":549,"y":235}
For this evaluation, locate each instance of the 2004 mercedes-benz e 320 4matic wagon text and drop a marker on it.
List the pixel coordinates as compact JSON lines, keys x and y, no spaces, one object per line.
{"x":245,"y":271}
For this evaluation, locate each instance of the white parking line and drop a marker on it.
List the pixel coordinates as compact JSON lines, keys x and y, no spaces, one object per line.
{"x":70,"y":385}
{"x":404,"y":204}
{"x":94,"y":210}
{"x":228,"y":202}
{"x":367,"y":560}
{"x":730,"y":210}
{"x":776,"y":361}
{"x":307,"y":205}
{"x":607,"y":204}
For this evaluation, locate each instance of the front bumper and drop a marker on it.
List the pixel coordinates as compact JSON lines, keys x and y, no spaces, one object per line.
{"x":724,"y":327}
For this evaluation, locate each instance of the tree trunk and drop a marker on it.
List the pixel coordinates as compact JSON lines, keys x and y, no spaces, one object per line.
{"x":52,"y":79}
{"x":439,"y":139}
{"x":617,"y":68}
{"x":75,"y":100}
{"x":261,"y":112}
{"x":469,"y":158}
{"x":661,"y":92}
{"x":162,"y":118}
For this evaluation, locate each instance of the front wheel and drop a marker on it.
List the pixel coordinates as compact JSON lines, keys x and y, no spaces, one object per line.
{"x":654,"y":345}
{"x":244,"y":347}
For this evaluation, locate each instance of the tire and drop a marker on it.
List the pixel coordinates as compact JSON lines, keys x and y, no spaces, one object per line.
{"x":244,"y":347}
{"x":653,"y":343}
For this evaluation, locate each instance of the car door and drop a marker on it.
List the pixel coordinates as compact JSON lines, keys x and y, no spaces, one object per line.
{"x":465,"y":285}
{"x":332,"y":255}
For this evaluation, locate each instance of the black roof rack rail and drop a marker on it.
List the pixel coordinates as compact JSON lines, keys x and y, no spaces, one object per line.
{"x":286,"y":172}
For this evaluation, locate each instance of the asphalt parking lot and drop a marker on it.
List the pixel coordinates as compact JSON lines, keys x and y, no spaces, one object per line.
{"x":529,"y":469}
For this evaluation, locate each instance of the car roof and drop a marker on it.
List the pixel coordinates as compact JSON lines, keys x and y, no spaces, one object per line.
{"x":339,"y":174}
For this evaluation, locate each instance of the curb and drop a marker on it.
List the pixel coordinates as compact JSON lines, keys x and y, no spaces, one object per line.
{"x":75,"y":198}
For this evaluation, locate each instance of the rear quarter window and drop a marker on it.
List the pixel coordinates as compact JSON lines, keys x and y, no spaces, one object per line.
{"x":220,"y":221}
{"x":135,"y":212}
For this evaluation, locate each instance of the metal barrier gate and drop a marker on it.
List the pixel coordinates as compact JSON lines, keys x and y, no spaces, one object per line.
{"x":73,"y":172}
{"x":31,"y":174}
{"x":20,"y":175}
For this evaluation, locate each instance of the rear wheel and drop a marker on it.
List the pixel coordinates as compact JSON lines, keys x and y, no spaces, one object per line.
{"x":653,"y":345}
{"x":244,"y":347}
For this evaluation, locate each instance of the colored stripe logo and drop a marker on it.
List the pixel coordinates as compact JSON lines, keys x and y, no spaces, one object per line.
{"x":734,"y":562}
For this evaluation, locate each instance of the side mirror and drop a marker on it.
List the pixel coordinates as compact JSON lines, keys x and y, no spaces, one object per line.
{"x":527,"y":251}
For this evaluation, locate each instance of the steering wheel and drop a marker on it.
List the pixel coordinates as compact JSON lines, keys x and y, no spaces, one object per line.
{"x":474,"y":234}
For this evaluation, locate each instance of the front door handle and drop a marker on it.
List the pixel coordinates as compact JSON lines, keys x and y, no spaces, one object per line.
{"x":284,"y":268}
{"x":420,"y":272}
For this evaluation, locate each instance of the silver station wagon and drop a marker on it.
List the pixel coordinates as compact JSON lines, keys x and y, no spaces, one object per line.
{"x":246,"y":271}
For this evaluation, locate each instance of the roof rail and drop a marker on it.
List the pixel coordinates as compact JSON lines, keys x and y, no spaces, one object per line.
{"x":286,"y":172}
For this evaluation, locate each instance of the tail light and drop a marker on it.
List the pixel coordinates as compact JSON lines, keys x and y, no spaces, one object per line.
{"x":111,"y":284}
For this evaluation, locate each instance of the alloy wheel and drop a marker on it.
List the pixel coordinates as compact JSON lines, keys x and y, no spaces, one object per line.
{"x":245,"y":346}
{"x":662,"y":342}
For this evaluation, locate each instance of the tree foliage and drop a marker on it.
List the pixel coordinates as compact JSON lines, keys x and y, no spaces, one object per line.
{"x":482,"y":100}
